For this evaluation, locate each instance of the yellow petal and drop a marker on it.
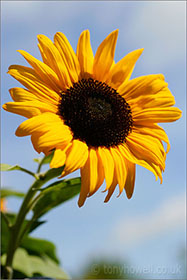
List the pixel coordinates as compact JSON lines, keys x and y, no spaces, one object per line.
{"x":112,"y":187}
{"x":122,"y":70}
{"x":91,"y":176}
{"x":28,"y":77}
{"x":46,"y":74}
{"x":54,"y":60}
{"x":43,"y":54}
{"x":28,"y":112}
{"x":121,"y":171}
{"x":146,"y":148}
{"x":108,"y":165}
{"x":49,"y":140}
{"x":130,"y":180}
{"x":68,"y":56}
{"x":157,"y":115}
{"x":162,"y":98}
{"x":100,"y":177}
{"x":124,"y":149}
{"x":143,"y":85}
{"x":159,"y":171}
{"x":34,"y":140}
{"x":155,"y":131}
{"x":85,"y":181}
{"x":58,"y":159}
{"x":22,"y":95}
{"x":42,"y":123}
{"x":28,"y":109}
{"x":93,"y":160}
{"x":76,"y":157}
{"x":85,"y":54}
{"x":104,"y":57}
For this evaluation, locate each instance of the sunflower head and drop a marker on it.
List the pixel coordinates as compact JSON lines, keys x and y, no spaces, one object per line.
{"x":96,"y":113}
{"x":91,"y":113}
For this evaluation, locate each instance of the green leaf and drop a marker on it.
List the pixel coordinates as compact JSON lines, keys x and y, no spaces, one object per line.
{"x":8,"y":167}
{"x":39,"y":247}
{"x":8,"y":192}
{"x":34,"y":225}
{"x":55,"y":194}
{"x":12,"y":217}
{"x":29,"y":265}
{"x":47,"y":159}
{"x":48,"y":268}
{"x":52,"y":173}
{"x":20,"y":262}
{"x":5,"y":232}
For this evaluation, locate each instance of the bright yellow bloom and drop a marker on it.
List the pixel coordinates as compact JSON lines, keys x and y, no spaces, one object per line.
{"x":91,"y":113}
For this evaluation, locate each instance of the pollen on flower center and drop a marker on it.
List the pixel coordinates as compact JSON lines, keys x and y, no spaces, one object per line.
{"x":96,"y":113}
{"x":100,"y":109}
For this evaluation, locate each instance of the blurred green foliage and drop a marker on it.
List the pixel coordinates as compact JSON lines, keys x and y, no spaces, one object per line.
{"x":35,"y":257}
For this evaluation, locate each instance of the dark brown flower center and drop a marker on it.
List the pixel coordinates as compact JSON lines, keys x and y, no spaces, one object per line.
{"x":96,"y":113}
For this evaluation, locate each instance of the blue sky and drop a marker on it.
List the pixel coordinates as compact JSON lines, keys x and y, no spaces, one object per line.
{"x":149,"y":229}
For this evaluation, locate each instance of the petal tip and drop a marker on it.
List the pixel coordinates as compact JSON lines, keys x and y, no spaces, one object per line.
{"x":17,"y":132}
{"x":140,"y":51}
{"x":22,"y":52}
{"x":4,"y":106}
{"x":86,"y":31}
{"x":115,"y":32}
{"x":129,"y":195}
{"x":40,"y":37}
{"x":80,"y":203}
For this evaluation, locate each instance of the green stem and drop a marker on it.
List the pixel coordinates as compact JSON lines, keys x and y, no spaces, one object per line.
{"x":15,"y":229}
{"x":39,"y":167}
{"x":5,"y":219}
{"x":29,"y":172}
{"x":33,"y":219}
{"x":26,"y":229}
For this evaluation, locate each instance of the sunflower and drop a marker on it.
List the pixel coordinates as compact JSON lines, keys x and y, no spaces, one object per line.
{"x":91,"y":114}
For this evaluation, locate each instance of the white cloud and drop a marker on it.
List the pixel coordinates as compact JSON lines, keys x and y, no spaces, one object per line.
{"x":169,"y":216}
